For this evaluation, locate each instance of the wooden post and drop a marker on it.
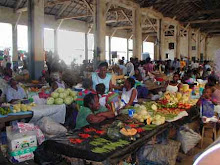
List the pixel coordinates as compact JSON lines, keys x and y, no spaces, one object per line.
{"x":158,"y":41}
{"x":127,"y":49}
{"x":177,"y":37}
{"x":14,"y":44}
{"x":86,"y":48}
{"x":162,"y":42}
{"x":110,"y":49}
{"x":198,"y":45}
{"x":56,"y":42}
{"x":205,"y":48}
{"x":99,"y":30}
{"x":137,"y":33}
{"x":36,"y":37}
{"x":189,"y":43}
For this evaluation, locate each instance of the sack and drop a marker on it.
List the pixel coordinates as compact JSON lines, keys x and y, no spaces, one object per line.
{"x":188,"y":138}
{"x":164,"y":154}
{"x":50,"y":127}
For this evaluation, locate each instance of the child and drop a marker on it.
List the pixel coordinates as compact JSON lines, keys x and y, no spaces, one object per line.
{"x":129,"y":94}
{"x":106,"y":99}
{"x":207,"y":106}
{"x":100,"y":89}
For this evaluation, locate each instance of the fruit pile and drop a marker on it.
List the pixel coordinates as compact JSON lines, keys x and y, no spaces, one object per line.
{"x":5,"y":110}
{"x":62,"y":96}
{"x":22,"y":107}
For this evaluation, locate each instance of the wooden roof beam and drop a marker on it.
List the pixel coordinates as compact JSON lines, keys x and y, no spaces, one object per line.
{"x":128,"y":4}
{"x":63,"y":8}
{"x":204,"y":21}
{"x":152,"y":13}
{"x":53,"y":3}
{"x":18,"y":3}
{"x":130,"y":27}
{"x":129,"y":20}
{"x":75,"y":17}
{"x":88,"y":5}
{"x":208,"y":11}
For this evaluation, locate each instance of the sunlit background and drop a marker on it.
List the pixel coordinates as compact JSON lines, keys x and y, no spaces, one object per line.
{"x":71,"y":45}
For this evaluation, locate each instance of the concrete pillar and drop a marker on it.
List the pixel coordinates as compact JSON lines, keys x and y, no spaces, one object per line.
{"x":56,"y":42}
{"x":162,"y":41}
{"x":128,"y":50}
{"x":157,"y":47}
{"x":177,"y":46}
{"x":137,"y":33}
{"x":36,"y":37}
{"x":205,"y":49}
{"x":189,"y":35}
{"x":198,"y":45}
{"x":99,"y":30}
{"x":110,"y":49}
{"x":14,"y":45}
{"x":86,"y":48}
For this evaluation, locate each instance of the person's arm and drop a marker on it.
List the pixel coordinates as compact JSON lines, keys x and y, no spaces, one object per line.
{"x":107,"y":114}
{"x":92,"y":119}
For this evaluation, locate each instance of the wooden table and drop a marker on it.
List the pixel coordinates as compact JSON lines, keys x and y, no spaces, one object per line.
{"x":9,"y":118}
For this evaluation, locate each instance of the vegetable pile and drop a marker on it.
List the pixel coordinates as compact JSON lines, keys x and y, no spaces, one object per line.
{"x":62,"y":96}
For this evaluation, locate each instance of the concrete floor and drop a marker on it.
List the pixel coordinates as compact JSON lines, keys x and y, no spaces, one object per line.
{"x":183,"y":159}
{"x":187,"y":159}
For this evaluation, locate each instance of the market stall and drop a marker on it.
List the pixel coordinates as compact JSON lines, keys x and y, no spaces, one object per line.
{"x":91,"y":144}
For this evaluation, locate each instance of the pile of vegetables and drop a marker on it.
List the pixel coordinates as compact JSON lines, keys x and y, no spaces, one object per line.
{"x":22,"y":107}
{"x":105,"y":146}
{"x":5,"y":110}
{"x":62,"y":96}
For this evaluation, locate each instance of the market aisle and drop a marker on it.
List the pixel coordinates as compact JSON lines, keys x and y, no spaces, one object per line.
{"x":187,"y":159}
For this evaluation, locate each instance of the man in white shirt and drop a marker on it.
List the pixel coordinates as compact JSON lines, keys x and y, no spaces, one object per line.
{"x":130,"y":68}
{"x":14,"y":92}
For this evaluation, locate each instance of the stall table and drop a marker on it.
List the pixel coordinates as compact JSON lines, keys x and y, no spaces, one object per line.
{"x":18,"y":116}
{"x":62,"y":145}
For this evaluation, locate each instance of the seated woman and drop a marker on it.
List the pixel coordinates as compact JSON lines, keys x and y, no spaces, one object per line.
{"x":129,"y":94}
{"x":137,"y":74}
{"x":213,"y":83}
{"x":102,"y":77}
{"x":14,"y":92}
{"x":92,"y":112}
{"x":174,"y":86}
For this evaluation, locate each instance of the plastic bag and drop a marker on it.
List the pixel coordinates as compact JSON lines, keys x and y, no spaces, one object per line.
{"x":159,"y":153}
{"x":50,"y":127}
{"x":188,"y":138}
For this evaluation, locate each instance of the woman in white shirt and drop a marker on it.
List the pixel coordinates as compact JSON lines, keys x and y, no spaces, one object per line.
{"x":15,"y":92}
{"x":174,"y":85}
{"x":129,"y":94}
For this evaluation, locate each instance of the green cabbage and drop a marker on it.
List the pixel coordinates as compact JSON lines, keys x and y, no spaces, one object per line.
{"x":58,"y":101}
{"x":54,"y":94}
{"x":68,"y":100}
{"x":50,"y":100}
{"x":62,"y":95}
{"x":60,"y":90}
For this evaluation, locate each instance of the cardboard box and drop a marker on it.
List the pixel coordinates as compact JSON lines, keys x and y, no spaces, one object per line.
{"x":21,"y":145}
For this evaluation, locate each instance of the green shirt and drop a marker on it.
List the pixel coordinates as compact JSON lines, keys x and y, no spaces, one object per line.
{"x":83,"y":113}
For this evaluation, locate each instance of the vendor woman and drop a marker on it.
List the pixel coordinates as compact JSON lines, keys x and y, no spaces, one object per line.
{"x":129,"y":94}
{"x":102,"y":77}
{"x":174,"y":85}
{"x":14,"y":92}
{"x":92,"y":112}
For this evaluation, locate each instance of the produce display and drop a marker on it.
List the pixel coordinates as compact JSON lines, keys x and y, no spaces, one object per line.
{"x":22,"y":107}
{"x":5,"y":110}
{"x":62,"y":96}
